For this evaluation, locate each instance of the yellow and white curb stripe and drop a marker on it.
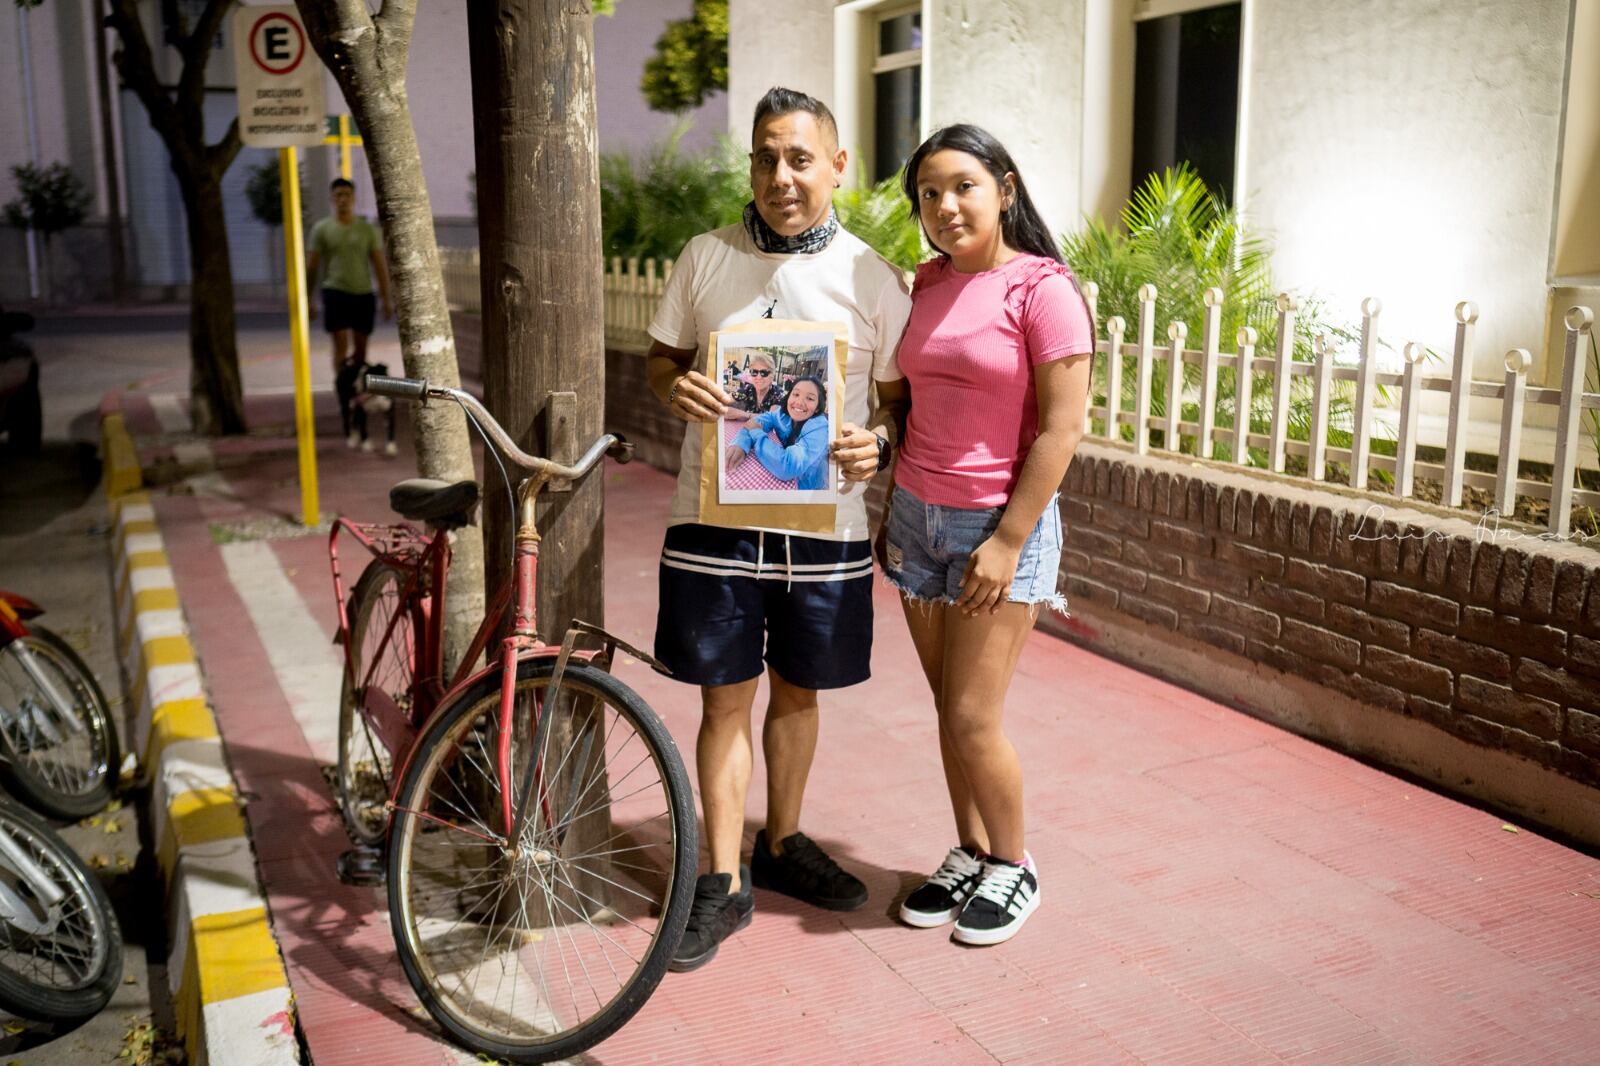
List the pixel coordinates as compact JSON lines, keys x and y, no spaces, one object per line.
{"x":230,"y":992}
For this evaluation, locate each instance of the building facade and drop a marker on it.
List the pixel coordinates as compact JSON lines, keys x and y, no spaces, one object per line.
{"x":1421,"y":153}
{"x":60,"y":105}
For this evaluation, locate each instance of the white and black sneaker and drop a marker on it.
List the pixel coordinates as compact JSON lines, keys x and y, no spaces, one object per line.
{"x":937,"y":901}
{"x":1007,"y":895}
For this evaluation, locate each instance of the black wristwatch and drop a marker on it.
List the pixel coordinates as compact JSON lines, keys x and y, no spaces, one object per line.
{"x":885,"y":450}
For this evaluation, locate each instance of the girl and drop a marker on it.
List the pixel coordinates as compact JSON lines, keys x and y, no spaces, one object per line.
{"x":996,"y":361}
{"x":802,"y":427}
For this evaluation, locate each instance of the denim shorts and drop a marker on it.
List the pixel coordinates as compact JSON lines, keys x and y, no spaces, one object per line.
{"x":929,"y":544}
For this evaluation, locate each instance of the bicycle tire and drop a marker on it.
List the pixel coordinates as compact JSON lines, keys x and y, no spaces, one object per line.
{"x":365,"y":768}
{"x":432,"y":953}
{"x":72,"y":778}
{"x":88,"y":986}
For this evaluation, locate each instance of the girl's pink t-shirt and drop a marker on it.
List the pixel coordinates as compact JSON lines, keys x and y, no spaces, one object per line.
{"x":968,"y":353}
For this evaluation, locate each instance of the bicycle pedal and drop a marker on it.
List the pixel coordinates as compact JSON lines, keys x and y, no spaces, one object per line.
{"x":363,"y":867}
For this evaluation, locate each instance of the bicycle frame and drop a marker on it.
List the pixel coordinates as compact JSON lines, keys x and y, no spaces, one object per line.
{"x":425,"y":562}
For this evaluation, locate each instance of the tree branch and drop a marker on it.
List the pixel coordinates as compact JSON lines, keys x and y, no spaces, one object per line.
{"x":137,"y":67}
{"x":220,"y":156}
{"x":394,"y":23}
{"x":194,"y":49}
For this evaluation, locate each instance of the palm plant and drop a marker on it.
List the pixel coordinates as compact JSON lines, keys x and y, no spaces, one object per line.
{"x":878,"y":215}
{"x":1176,"y":234}
{"x":652,"y":206}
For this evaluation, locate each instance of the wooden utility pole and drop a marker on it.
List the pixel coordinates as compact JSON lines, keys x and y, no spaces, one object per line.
{"x":539,"y":238}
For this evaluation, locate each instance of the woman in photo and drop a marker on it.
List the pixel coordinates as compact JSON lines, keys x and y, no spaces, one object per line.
{"x":996,"y":364}
{"x":759,"y":392}
{"x":802,"y":427}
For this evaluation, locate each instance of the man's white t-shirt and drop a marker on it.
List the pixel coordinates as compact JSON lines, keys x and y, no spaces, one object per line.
{"x":722,"y":279}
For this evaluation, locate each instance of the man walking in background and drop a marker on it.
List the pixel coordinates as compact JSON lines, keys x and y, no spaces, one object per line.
{"x":352,"y":250}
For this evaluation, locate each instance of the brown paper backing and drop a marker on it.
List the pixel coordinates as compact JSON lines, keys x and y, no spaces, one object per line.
{"x":800,"y":517}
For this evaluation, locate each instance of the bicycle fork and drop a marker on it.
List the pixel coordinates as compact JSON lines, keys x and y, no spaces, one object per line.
{"x":14,"y":909}
{"x":45,"y":722}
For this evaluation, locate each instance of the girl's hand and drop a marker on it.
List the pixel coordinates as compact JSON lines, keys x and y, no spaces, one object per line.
{"x":753,"y":423}
{"x":736,"y":455}
{"x":987,"y":582}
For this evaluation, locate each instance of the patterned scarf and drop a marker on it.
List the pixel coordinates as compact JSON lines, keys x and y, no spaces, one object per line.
{"x":768,"y":239}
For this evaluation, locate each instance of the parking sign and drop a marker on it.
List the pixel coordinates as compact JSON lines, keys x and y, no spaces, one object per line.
{"x":280,"y":78}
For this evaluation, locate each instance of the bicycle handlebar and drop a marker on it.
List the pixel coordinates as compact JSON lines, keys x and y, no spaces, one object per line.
{"x":420,"y":391}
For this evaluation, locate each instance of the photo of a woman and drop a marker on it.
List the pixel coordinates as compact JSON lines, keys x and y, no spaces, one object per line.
{"x":790,"y":444}
{"x":758,"y":390}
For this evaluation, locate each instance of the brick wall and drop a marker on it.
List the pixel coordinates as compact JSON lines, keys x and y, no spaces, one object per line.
{"x":1489,"y":639}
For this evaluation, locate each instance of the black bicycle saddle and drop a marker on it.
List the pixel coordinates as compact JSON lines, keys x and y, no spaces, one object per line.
{"x":445,"y":504}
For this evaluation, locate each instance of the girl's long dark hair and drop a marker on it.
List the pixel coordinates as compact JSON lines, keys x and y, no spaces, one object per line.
{"x":1020,"y":225}
{"x":822,"y":406}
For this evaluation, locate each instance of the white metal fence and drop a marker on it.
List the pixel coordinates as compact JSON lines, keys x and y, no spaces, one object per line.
{"x":633,"y":290}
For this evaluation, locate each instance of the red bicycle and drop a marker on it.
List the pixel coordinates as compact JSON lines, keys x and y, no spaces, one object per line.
{"x":537,"y":820}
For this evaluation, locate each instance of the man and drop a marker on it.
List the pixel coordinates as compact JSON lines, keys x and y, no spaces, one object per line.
{"x":724,"y":590}
{"x":349,"y":245}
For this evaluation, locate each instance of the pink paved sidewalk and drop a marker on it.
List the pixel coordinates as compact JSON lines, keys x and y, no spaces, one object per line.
{"x":1215,"y":890}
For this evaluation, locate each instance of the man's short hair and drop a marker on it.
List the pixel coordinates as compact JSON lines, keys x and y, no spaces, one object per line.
{"x":342,"y":183}
{"x":781,"y":101}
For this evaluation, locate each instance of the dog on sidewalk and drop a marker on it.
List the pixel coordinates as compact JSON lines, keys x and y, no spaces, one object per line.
{"x":356,"y":404}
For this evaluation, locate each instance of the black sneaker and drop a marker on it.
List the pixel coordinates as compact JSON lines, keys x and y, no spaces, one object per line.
{"x":717,"y":913}
{"x":805,"y":872}
{"x":1006,"y":896}
{"x":938,"y":900}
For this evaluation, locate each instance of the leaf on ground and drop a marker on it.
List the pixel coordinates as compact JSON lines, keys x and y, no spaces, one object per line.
{"x":91,"y":821}
{"x":99,"y":862}
{"x":15,"y":1027}
{"x":113,"y":826}
{"x":1511,"y":829}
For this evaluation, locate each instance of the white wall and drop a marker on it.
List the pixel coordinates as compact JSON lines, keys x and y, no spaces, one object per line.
{"x":439,"y":86}
{"x":788,"y":44}
{"x":1408,"y":151}
{"x":1014,"y":67}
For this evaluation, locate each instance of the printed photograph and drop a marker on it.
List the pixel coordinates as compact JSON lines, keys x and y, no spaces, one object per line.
{"x":773,"y":443}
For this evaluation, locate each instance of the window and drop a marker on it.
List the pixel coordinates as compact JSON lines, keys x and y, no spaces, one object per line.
{"x":1186,"y":94}
{"x":896,"y":91}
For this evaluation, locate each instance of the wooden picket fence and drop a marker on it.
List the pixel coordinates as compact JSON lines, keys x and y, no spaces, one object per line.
{"x":633,"y":290}
{"x":1514,"y":392}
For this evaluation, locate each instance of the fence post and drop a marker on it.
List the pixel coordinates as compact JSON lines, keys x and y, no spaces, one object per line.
{"x":1505,"y":476}
{"x":1243,"y":383}
{"x":1209,"y":343}
{"x":1455,"y":448}
{"x":1091,"y":296}
{"x":1321,"y":395}
{"x":1361,"y":439}
{"x":1580,"y":320}
{"x":1114,"y":330}
{"x":1282,"y":381}
{"x":1410,"y":400}
{"x":1178,"y":332}
{"x":1147,"y":358}
{"x":647,"y":301}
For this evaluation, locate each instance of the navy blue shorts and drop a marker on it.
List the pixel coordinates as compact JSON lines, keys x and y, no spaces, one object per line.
{"x":733,"y":598}
{"x":348,"y":310}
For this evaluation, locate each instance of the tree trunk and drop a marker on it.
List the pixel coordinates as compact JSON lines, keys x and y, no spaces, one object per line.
{"x":367,"y":56}
{"x":216,"y":393}
{"x":539,"y":239}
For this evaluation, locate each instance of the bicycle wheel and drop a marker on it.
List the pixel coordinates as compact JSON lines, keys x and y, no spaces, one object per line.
{"x":383,"y":628}
{"x":541,"y":948}
{"x":60,"y":745}
{"x":60,"y":961}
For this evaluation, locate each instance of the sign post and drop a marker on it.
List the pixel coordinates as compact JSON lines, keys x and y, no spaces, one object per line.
{"x":281,"y":106}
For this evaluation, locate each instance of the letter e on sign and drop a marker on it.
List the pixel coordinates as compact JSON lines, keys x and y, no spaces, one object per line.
{"x":280,"y":78}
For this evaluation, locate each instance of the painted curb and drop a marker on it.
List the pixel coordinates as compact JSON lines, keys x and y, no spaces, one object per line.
{"x":230,"y":992}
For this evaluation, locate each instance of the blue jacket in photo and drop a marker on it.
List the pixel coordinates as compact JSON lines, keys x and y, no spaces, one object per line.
{"x":804,"y":462}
